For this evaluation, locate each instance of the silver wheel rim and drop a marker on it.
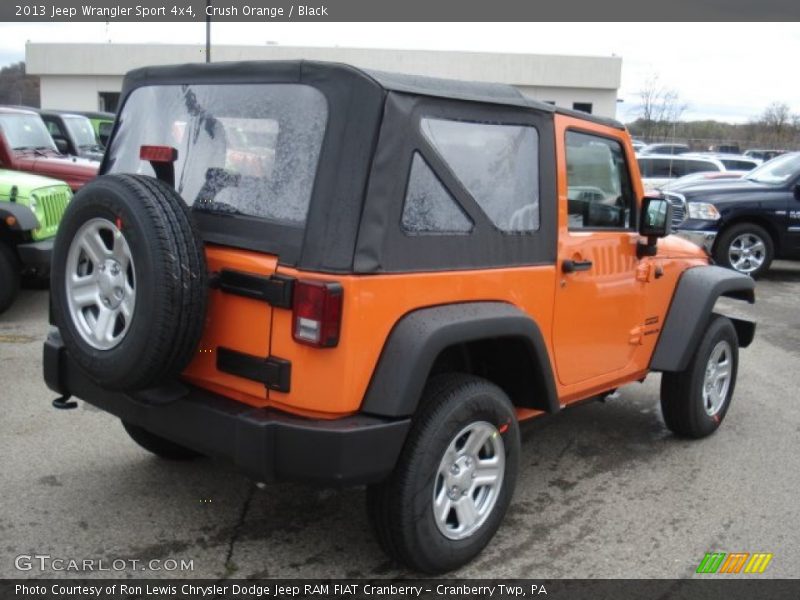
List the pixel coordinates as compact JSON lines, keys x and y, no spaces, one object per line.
{"x":747,"y":252}
{"x":468,"y":480}
{"x":100,"y":284}
{"x":717,"y":380}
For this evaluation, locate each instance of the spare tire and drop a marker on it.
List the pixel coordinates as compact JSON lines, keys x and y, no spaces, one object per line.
{"x":128,"y":282}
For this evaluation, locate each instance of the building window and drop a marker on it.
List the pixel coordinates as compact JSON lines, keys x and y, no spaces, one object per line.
{"x":582,"y":106}
{"x":108,"y":101}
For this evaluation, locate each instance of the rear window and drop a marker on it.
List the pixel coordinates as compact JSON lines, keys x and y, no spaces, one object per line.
{"x":248,"y":149}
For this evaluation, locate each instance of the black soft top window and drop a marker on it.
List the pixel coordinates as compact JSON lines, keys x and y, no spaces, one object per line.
{"x":249,"y":149}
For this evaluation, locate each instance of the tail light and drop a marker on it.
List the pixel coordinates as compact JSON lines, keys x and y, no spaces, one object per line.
{"x":317,"y":313}
{"x":159,"y":154}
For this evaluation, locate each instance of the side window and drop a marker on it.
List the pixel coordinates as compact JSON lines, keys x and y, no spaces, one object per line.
{"x":699,"y":166}
{"x":599,"y":191}
{"x":497,"y":164}
{"x":429,"y":207}
{"x":53,"y":129}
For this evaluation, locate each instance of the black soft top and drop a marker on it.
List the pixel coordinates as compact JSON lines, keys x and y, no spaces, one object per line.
{"x":353,"y":222}
{"x":304,"y":71}
{"x":307,"y":71}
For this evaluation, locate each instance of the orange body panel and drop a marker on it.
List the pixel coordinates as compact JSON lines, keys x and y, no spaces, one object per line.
{"x":334,"y":380}
{"x":600,"y":326}
{"x":234,"y":322}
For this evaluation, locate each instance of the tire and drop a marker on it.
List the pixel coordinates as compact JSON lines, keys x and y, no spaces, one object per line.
{"x":736,"y":240}
{"x":9,"y":277}
{"x":687,"y":410}
{"x":401,"y":508}
{"x":161,"y":447}
{"x":145,"y":309}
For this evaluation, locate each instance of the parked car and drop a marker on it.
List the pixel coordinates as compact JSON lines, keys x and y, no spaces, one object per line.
{"x":693,"y":179}
{"x":658,"y":170}
{"x":731,"y":162}
{"x":763,"y":155}
{"x":745,"y":224}
{"x":26,"y":145}
{"x":486,"y":259}
{"x":102,"y":122}
{"x":727,"y":149}
{"x":73,"y":134}
{"x":637,"y":145}
{"x":665,"y":149}
{"x":31,"y":207}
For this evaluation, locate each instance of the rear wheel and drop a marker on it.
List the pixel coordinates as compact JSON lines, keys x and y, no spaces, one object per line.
{"x":9,"y":276}
{"x":695,"y":401}
{"x":745,"y":247}
{"x":159,"y":446}
{"x":455,"y":478}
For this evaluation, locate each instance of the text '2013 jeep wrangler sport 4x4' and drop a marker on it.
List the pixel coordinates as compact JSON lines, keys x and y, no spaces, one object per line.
{"x":326,"y":274}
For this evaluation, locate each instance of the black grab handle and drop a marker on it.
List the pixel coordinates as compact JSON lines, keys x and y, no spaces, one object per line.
{"x":570,"y":266}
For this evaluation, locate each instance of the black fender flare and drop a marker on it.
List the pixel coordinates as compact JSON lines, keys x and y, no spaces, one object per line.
{"x":692,"y":305}
{"x":420,"y":336}
{"x":25,"y":220}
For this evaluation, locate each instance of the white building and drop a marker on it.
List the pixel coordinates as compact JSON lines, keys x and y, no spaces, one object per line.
{"x":89,"y":76}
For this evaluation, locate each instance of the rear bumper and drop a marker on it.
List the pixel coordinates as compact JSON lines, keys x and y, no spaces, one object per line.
{"x":265,"y":444}
{"x":36,"y":255}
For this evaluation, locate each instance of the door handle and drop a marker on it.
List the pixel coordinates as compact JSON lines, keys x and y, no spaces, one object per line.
{"x":570,"y":266}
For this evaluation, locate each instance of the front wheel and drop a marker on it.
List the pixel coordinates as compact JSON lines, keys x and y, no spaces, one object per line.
{"x":695,"y":401}
{"x":455,"y":478}
{"x":746,"y":248}
{"x":9,"y":276}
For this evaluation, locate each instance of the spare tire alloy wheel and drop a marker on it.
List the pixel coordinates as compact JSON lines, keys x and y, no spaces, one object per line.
{"x":128,"y":282}
{"x":101,"y":283}
{"x":469,"y":480}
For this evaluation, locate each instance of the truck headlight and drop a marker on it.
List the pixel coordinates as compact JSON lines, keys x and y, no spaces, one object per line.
{"x":703,"y":210}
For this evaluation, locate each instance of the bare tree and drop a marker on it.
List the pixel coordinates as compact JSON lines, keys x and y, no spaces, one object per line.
{"x":17,"y":87}
{"x":660,"y":108}
{"x":777,"y":124}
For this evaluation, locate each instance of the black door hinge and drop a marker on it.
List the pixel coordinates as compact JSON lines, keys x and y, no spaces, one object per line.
{"x":275,"y":373}
{"x":274,"y":289}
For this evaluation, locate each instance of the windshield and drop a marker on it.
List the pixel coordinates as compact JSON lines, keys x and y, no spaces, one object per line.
{"x":25,"y":132}
{"x":777,"y":171}
{"x":248,"y":148}
{"x":81,"y":130}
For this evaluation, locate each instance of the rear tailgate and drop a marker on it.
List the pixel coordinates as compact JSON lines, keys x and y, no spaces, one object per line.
{"x":235,"y":325}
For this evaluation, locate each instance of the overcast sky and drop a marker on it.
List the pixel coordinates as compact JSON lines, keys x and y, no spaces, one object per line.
{"x":725,"y":71}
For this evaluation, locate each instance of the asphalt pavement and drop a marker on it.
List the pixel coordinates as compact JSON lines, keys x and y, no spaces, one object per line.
{"x":604,"y":490}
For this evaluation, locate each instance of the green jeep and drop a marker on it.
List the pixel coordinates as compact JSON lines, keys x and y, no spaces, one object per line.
{"x":31,"y":207}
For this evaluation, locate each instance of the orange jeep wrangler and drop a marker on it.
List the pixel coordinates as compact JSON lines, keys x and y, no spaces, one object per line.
{"x":327,"y":274}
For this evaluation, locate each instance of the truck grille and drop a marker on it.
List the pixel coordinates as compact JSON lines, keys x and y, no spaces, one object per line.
{"x":678,"y":208}
{"x":53,"y":204}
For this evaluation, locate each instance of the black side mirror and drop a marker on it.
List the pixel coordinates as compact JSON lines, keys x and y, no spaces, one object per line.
{"x":797,"y":191}
{"x":655,"y":222}
{"x":62,"y":145}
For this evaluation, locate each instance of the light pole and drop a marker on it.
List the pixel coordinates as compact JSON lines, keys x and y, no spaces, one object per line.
{"x":208,"y":31}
